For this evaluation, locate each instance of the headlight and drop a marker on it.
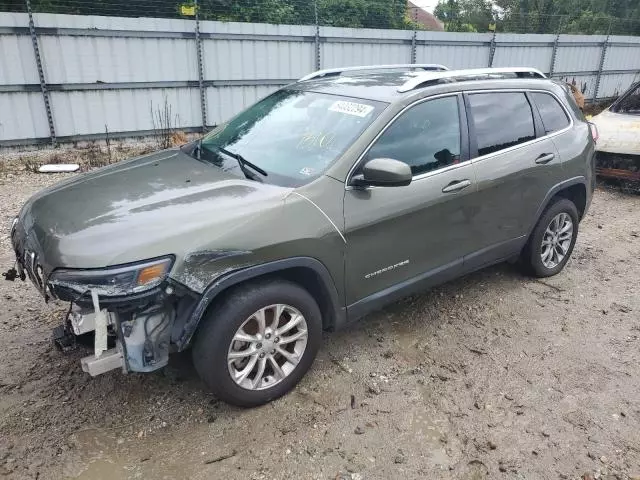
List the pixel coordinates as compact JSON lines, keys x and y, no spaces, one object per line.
{"x":115,"y":281}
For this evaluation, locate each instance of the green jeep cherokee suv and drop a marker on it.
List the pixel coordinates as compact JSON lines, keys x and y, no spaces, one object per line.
{"x":320,"y":203}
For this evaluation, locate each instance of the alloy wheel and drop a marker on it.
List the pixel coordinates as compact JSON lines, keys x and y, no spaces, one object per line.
{"x":556,"y":240}
{"x":267,"y":347}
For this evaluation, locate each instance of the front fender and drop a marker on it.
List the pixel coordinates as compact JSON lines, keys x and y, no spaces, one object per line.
{"x":222,"y":283}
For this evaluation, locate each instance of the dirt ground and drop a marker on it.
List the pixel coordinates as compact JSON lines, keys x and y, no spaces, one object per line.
{"x":492,"y":376}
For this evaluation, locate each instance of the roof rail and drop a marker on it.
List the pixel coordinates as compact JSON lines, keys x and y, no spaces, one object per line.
{"x":400,"y":66}
{"x":475,"y":72}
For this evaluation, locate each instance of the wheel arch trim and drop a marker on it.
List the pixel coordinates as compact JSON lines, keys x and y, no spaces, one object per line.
{"x":221,"y":284}
{"x":580,"y":180}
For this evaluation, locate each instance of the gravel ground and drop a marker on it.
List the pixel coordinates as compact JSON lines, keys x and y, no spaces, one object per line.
{"x":491,"y":376}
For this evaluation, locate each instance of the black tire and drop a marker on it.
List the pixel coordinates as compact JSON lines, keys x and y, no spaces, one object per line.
{"x":217,"y":329}
{"x":531,"y":254}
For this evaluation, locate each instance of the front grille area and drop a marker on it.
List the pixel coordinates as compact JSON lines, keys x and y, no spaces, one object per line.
{"x":32,"y":268}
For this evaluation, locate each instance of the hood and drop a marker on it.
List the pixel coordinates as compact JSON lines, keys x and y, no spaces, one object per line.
{"x":138,"y":209}
{"x":619,"y":132}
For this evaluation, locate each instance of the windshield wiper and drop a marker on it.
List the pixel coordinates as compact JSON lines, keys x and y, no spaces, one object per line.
{"x":244,"y":163}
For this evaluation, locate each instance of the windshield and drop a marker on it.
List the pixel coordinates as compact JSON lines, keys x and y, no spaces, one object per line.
{"x":629,"y":103}
{"x":293,"y":136}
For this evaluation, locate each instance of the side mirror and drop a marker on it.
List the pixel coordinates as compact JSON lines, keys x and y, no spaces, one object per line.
{"x":383,"y":172}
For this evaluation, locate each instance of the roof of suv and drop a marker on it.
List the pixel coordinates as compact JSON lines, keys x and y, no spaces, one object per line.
{"x":379,"y":85}
{"x":389,"y":86}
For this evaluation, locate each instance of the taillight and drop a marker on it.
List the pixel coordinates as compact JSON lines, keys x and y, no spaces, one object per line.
{"x":594,"y":131}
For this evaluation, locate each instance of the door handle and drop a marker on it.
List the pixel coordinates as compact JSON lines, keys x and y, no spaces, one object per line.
{"x":545,"y":158}
{"x":456,"y":186}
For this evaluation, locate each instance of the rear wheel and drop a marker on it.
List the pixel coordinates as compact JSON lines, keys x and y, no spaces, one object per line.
{"x":552,"y":241}
{"x":258,"y":343}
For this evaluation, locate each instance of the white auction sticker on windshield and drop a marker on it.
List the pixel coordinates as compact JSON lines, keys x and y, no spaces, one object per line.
{"x":351,"y":108}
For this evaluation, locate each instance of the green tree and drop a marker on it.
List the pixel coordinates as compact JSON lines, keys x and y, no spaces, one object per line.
{"x":465,"y":15}
{"x":339,"y":13}
{"x":363,"y":13}
{"x":571,"y":16}
{"x":620,"y":17}
{"x":266,"y":11}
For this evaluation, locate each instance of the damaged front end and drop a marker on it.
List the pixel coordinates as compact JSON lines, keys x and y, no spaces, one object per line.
{"x":130,"y":310}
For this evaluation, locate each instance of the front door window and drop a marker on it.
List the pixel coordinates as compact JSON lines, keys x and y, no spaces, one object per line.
{"x":426,"y":137}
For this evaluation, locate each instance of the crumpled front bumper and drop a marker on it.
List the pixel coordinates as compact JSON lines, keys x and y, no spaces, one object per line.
{"x":139,"y":339}
{"x":139,"y":325}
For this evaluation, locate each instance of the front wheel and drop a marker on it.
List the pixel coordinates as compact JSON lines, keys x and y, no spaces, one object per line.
{"x":552,"y":240}
{"x":258,"y":343}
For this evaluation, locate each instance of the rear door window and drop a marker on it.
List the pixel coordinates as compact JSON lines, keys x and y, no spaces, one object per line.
{"x":553,"y":115}
{"x":501,"y":120}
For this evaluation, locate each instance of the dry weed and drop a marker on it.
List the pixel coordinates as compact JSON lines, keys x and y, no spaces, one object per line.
{"x":31,"y":163}
{"x":178,"y":138}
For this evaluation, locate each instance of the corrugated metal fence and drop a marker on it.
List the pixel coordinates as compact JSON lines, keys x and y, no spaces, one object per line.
{"x":110,"y":73}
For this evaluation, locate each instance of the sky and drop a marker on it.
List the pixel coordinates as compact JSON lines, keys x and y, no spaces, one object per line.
{"x":428,"y":5}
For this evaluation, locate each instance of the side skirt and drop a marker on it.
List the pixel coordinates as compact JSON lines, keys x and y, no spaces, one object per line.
{"x":423,"y":281}
{"x":437,"y":276}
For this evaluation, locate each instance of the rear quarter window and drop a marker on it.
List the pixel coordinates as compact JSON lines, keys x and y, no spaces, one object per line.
{"x":554,"y":117}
